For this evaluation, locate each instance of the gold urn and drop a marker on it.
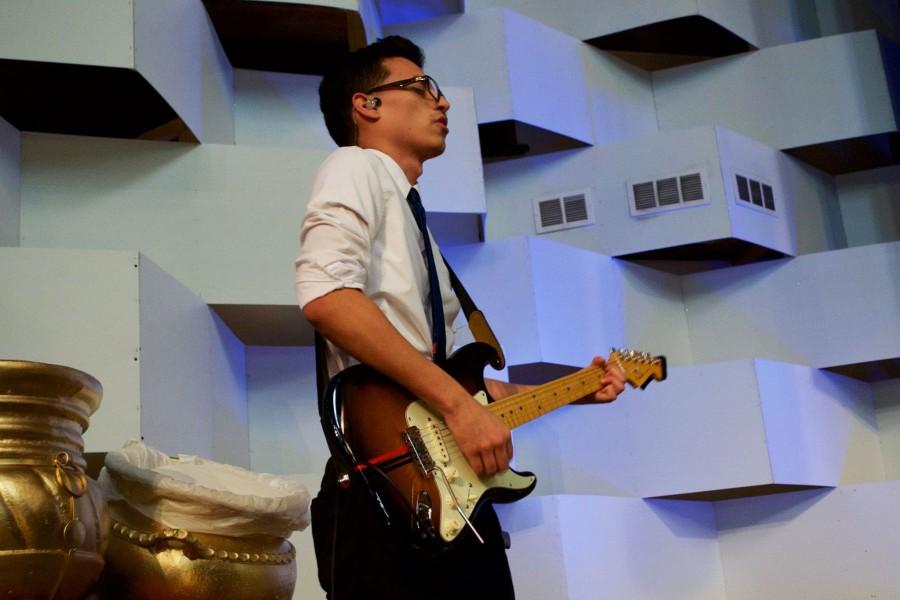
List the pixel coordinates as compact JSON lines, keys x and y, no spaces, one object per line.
{"x":54,"y":521}
{"x":187,"y":528}
{"x":148,"y":561}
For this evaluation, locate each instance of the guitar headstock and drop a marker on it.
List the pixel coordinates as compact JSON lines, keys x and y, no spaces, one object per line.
{"x":640,"y":368}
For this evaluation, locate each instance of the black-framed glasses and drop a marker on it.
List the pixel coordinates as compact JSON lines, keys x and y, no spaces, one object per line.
{"x":431,"y":86}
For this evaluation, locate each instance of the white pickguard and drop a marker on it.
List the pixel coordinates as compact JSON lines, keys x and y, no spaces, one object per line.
{"x":465,"y":485}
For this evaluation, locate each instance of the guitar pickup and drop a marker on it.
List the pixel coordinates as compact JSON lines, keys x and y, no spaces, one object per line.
{"x":413,"y":438}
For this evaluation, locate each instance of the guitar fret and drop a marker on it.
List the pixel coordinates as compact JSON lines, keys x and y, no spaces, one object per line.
{"x":523,"y":407}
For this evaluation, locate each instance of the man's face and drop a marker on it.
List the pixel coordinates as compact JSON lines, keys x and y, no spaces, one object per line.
{"x":411,"y":118}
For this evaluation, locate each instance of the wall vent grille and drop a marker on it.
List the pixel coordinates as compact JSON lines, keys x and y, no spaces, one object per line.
{"x":667,"y":193}
{"x":572,"y":209}
{"x":755,"y":194}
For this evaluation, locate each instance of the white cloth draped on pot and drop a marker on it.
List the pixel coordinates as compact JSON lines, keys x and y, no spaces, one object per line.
{"x":202,"y":496}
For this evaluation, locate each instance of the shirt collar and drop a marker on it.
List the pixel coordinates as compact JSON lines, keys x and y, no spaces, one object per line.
{"x":394,"y":170}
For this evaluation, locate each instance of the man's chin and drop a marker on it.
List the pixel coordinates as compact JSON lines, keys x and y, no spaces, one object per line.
{"x":435,"y":152}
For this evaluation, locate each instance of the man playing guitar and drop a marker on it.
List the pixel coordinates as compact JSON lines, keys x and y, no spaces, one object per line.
{"x":362,"y":282}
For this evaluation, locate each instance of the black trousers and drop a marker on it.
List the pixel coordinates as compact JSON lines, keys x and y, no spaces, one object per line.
{"x":359,"y":558}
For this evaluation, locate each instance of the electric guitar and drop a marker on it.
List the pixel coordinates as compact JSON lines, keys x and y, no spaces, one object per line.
{"x":406,"y":457}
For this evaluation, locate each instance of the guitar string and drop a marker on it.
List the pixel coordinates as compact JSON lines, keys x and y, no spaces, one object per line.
{"x":526,"y":406}
{"x":531,"y":404}
{"x":523,"y":407}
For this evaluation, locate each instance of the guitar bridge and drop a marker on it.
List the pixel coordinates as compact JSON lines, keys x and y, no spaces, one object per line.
{"x":416,"y":445}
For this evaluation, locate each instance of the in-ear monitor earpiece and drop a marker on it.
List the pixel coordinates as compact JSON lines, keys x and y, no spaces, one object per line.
{"x":373,"y":102}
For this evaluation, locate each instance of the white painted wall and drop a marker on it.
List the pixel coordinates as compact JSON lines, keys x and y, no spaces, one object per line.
{"x":785,"y":96}
{"x":824,"y":544}
{"x":807,"y":217}
{"x":762,"y":24}
{"x":537,"y":295}
{"x":619,"y":96}
{"x":280,"y":109}
{"x":820,"y":309}
{"x":608,"y":171}
{"x":595,"y":547}
{"x":837,"y":16}
{"x":79,"y":309}
{"x":709,"y":427}
{"x":544,"y":76}
{"x":747,"y":157}
{"x":223,"y":220}
{"x":508,"y":60}
{"x":97,"y":33}
{"x":171,"y":373}
{"x":886,"y":395}
{"x":467,"y":50}
{"x":820,"y":427}
{"x":193,"y":397}
{"x":285,"y":434}
{"x":177,"y":50}
{"x":870,"y":205}
{"x":10,"y":183}
{"x":655,"y":320}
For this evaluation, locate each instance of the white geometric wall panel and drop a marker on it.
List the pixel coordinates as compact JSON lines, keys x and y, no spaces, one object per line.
{"x":285,"y":435}
{"x":791,"y":96}
{"x":870,"y":205}
{"x":707,"y":429}
{"x":223,"y":220}
{"x":823,"y":544}
{"x":10,"y":184}
{"x":886,"y":395}
{"x":780,"y":22}
{"x":619,"y":95}
{"x":825,"y":309}
{"x":839,"y":16}
{"x":282,"y":109}
{"x":552,"y":303}
{"x":172,"y":372}
{"x":595,"y":547}
{"x":611,"y":171}
{"x":164,"y":47}
{"x":546,"y":302}
{"x":525,"y":70}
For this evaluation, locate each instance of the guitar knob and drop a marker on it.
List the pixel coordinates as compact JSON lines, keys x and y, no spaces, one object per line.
{"x":452,"y":474}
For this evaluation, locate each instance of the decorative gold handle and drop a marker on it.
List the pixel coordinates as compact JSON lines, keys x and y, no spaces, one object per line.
{"x":69,"y":475}
{"x":194,"y":548}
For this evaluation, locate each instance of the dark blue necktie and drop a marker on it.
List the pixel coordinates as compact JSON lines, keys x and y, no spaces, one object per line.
{"x":438,"y":335}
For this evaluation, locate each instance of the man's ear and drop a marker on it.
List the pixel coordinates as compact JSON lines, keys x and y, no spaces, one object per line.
{"x":365,"y":107}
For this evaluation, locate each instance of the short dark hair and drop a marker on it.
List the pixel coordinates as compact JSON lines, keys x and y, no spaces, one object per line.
{"x":359,"y":71}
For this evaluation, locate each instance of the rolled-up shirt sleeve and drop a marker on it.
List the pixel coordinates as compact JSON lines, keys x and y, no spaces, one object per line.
{"x":344,"y":212}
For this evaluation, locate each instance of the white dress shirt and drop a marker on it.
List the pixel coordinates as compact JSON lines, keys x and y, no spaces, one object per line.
{"x":359,"y":232}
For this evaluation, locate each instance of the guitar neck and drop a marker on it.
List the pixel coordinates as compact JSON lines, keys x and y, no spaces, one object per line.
{"x":526,"y":406}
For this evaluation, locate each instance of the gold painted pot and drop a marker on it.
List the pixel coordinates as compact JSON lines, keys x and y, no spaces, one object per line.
{"x":148,"y":561}
{"x":53,"y":520}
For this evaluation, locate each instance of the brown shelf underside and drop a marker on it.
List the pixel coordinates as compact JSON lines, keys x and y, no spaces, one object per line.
{"x":285,"y":37}
{"x":672,"y":43}
{"x":84,"y":100}
{"x":740,"y":492}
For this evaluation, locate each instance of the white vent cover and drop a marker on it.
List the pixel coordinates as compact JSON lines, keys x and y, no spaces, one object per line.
{"x":754,"y":193}
{"x":565,"y":211}
{"x":668,"y":193}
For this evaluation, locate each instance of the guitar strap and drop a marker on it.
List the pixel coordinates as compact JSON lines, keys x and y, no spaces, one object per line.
{"x":478,"y":325}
